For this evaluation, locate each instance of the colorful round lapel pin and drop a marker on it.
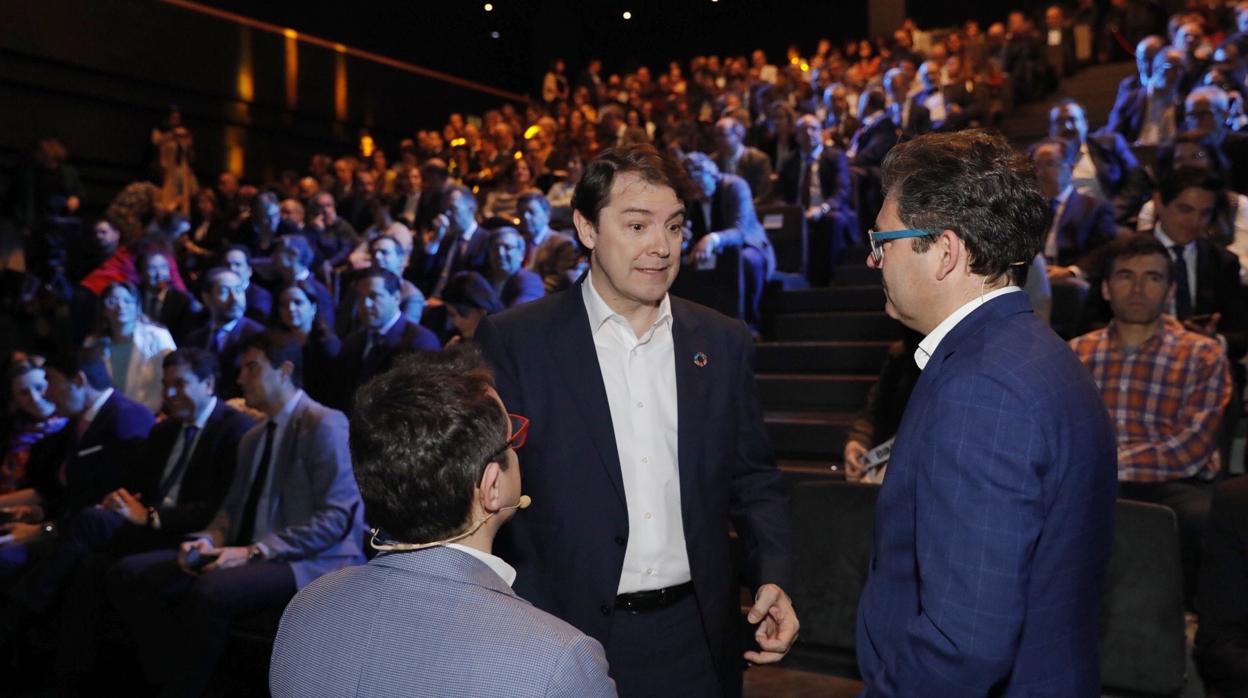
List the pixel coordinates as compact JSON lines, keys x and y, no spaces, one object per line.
{"x":699,"y":360}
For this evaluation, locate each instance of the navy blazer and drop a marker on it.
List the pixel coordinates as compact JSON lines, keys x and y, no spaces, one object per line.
{"x":426,"y":269}
{"x":259,"y":303}
{"x":94,"y":465}
{"x":1087,"y":223}
{"x":1127,"y":115}
{"x":995,"y":521}
{"x":874,"y":143}
{"x":833,"y":177}
{"x":207,"y":475}
{"x":568,"y":547}
{"x":227,"y":358}
{"x":1119,"y":174}
{"x":734,"y":219}
{"x":355,"y":369}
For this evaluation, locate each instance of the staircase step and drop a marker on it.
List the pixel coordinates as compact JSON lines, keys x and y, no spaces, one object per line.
{"x":855,"y":275}
{"x":802,"y":392}
{"x":818,"y":435}
{"x":815,"y":300}
{"x":842,"y":326}
{"x":797,"y":471}
{"x":821,"y":357}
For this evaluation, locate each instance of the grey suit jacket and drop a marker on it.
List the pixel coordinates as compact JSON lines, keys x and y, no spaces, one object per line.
{"x":316,"y":518}
{"x":435,"y":622}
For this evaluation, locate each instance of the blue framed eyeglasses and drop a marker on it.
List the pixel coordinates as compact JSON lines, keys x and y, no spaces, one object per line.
{"x":878,"y":239}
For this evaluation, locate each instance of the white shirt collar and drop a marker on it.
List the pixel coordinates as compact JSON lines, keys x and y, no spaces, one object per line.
{"x":927,"y":347}
{"x":467,"y":234}
{"x":94,"y":409}
{"x":599,"y":312}
{"x":302,"y":275}
{"x":1165,"y":239}
{"x":814,"y":153}
{"x":284,"y":415}
{"x":1062,"y":197}
{"x":495,"y":563}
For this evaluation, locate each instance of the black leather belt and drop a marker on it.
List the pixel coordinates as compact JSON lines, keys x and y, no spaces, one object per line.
{"x":642,"y":601}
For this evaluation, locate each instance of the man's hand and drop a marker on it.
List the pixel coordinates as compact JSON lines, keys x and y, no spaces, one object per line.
{"x":22,"y":533}
{"x":704,"y":250}
{"x":816,"y":213}
{"x":854,"y":466}
{"x":29,"y":513}
{"x":203,"y":545}
{"x":1203,"y":324}
{"x":233,"y":556}
{"x":1058,"y":272}
{"x":433,"y":236}
{"x":128,"y":505}
{"x":778,"y":627}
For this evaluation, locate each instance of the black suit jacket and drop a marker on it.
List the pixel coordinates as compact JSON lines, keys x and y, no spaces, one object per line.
{"x":427,"y":268}
{"x":227,"y":357}
{"x":1235,"y":148}
{"x":569,"y":545}
{"x":1222,"y":639}
{"x":1218,"y":291}
{"x":207,"y":475}
{"x":1087,"y":223}
{"x":177,"y":313}
{"x":1127,"y":115}
{"x":833,"y":177}
{"x":355,"y":369}
{"x":874,"y":143}
{"x":94,"y":465}
{"x":1119,"y":173}
{"x":259,"y":303}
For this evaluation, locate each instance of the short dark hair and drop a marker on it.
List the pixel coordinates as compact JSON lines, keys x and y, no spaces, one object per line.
{"x":393,"y":283}
{"x":468,"y":290}
{"x":238,"y":248}
{"x":1185,"y":178}
{"x":372,"y":244}
{"x":1130,"y":247}
{"x":593,"y":192}
{"x":463,"y":191}
{"x":421,"y":436}
{"x":528,"y":197}
{"x":89,"y":361}
{"x":278,"y":346}
{"x":210,"y":278}
{"x":973,"y":183}
{"x":1068,"y":153}
{"x":297,"y":244}
{"x":202,"y":362}
{"x":1165,"y":153}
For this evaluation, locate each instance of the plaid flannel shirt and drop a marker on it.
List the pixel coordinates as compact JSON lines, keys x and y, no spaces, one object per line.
{"x":1166,"y":398}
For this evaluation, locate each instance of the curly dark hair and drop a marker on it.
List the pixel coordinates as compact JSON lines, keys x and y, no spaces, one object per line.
{"x":421,"y":436}
{"x":973,"y":183}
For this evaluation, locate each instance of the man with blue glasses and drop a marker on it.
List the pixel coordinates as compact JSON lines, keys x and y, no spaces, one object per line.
{"x":994,"y":523}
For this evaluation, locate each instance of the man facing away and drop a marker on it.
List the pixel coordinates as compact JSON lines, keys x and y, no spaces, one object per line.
{"x":435,"y":455}
{"x":994,"y":524}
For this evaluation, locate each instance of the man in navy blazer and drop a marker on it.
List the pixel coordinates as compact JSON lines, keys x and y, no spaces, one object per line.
{"x":815,"y":176}
{"x":1104,"y":165}
{"x":646,"y":445}
{"x":434,"y":452}
{"x":225,"y":295}
{"x":1080,"y":225}
{"x":994,"y":524}
{"x":455,"y":243}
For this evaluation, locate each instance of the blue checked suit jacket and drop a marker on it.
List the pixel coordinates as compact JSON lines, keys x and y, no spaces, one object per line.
{"x":435,"y":622}
{"x":994,"y":524}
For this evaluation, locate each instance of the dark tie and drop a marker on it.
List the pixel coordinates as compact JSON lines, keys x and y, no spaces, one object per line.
{"x":247,"y":527}
{"x":218,"y":340}
{"x":175,"y":475}
{"x":808,"y":172}
{"x":1183,"y":292}
{"x":374,"y":343}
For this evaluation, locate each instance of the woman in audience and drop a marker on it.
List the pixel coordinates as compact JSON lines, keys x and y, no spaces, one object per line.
{"x":469,"y":298}
{"x":135,"y":345}
{"x":518,"y":179}
{"x":35,"y":419}
{"x":296,"y":312}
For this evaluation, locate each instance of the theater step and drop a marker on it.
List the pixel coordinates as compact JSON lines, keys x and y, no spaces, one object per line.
{"x":815,"y":300}
{"x":841,"y":326}
{"x":813,"y":391}
{"x":821,"y":357}
{"x":797,"y":471}
{"x":808,"y":435}
{"x":857,"y":274}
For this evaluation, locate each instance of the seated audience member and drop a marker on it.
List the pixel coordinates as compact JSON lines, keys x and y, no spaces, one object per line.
{"x":93,"y":250}
{"x":1229,"y":225}
{"x":259,"y":300}
{"x":208,"y":234}
{"x":513,"y":283}
{"x":816,"y":177}
{"x":942,"y":113}
{"x":1222,"y":636}
{"x":76,"y":467}
{"x":405,"y":207}
{"x":332,"y":235}
{"x":291,"y":211}
{"x":383,"y":333}
{"x":292,"y":513}
{"x":469,"y":298}
{"x":516,"y":179}
{"x":387,"y":253}
{"x":877,"y":135}
{"x":435,"y":179}
{"x":296,"y":313}
{"x":1080,"y":224}
{"x":1152,"y":114}
{"x":292,"y":256}
{"x":876,"y":423}
{"x":264,"y":226}
{"x":132,"y":345}
{"x":453,"y":596}
{"x":723,"y":216}
{"x":549,"y":254}
{"x":1165,"y":387}
{"x":911,"y":117}
{"x":35,"y":420}
{"x":734,"y":157}
{"x":382,"y":224}
{"x":1206,"y":110}
{"x":182,"y":474}
{"x":1104,"y":167}
{"x":454,"y":243}
{"x":225,"y":297}
{"x":159,"y":301}
{"x":1145,"y":51}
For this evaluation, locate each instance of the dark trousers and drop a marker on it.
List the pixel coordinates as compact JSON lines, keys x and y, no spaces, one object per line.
{"x":1189,"y":499}
{"x":754,"y":268}
{"x":180,"y":622}
{"x":664,"y":652}
{"x":91,"y":530}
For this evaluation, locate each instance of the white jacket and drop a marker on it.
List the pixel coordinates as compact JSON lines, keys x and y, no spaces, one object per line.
{"x":151,"y":342}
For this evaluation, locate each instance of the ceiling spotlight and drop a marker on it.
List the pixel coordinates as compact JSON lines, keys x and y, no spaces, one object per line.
{"x":628,"y":15}
{"x":493,"y":35}
{"x":489,"y":7}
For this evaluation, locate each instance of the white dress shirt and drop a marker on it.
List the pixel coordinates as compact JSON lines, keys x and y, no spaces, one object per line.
{"x":639,"y":375}
{"x":1083,"y":176}
{"x":928,"y":346}
{"x":1189,"y":262}
{"x":282,"y":419}
{"x":171,"y":498}
{"x":494,"y":562}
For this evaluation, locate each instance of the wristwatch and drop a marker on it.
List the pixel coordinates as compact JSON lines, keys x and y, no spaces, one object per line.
{"x":255,"y":553}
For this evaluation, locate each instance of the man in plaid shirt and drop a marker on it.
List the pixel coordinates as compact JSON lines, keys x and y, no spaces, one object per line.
{"x":1165,"y":387}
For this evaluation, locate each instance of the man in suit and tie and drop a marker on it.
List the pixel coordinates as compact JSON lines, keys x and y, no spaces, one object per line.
{"x":225,"y":295}
{"x":1080,"y":224}
{"x":1104,"y":166}
{"x":1152,"y":114}
{"x":384,"y":332}
{"x":455,"y":243}
{"x":292,"y":514}
{"x":1145,"y":50}
{"x":647,"y":440}
{"x":816,"y":177}
{"x":734,"y":157}
{"x":910,"y":115}
{"x":259,"y":301}
{"x":993,"y":527}
{"x":871,"y":142}
{"x":434,"y":429}
{"x":161,"y":302}
{"x":1205,"y":111}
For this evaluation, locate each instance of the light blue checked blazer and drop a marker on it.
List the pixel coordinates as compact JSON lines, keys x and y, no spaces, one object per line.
{"x":994,"y":524}
{"x":435,"y":622}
